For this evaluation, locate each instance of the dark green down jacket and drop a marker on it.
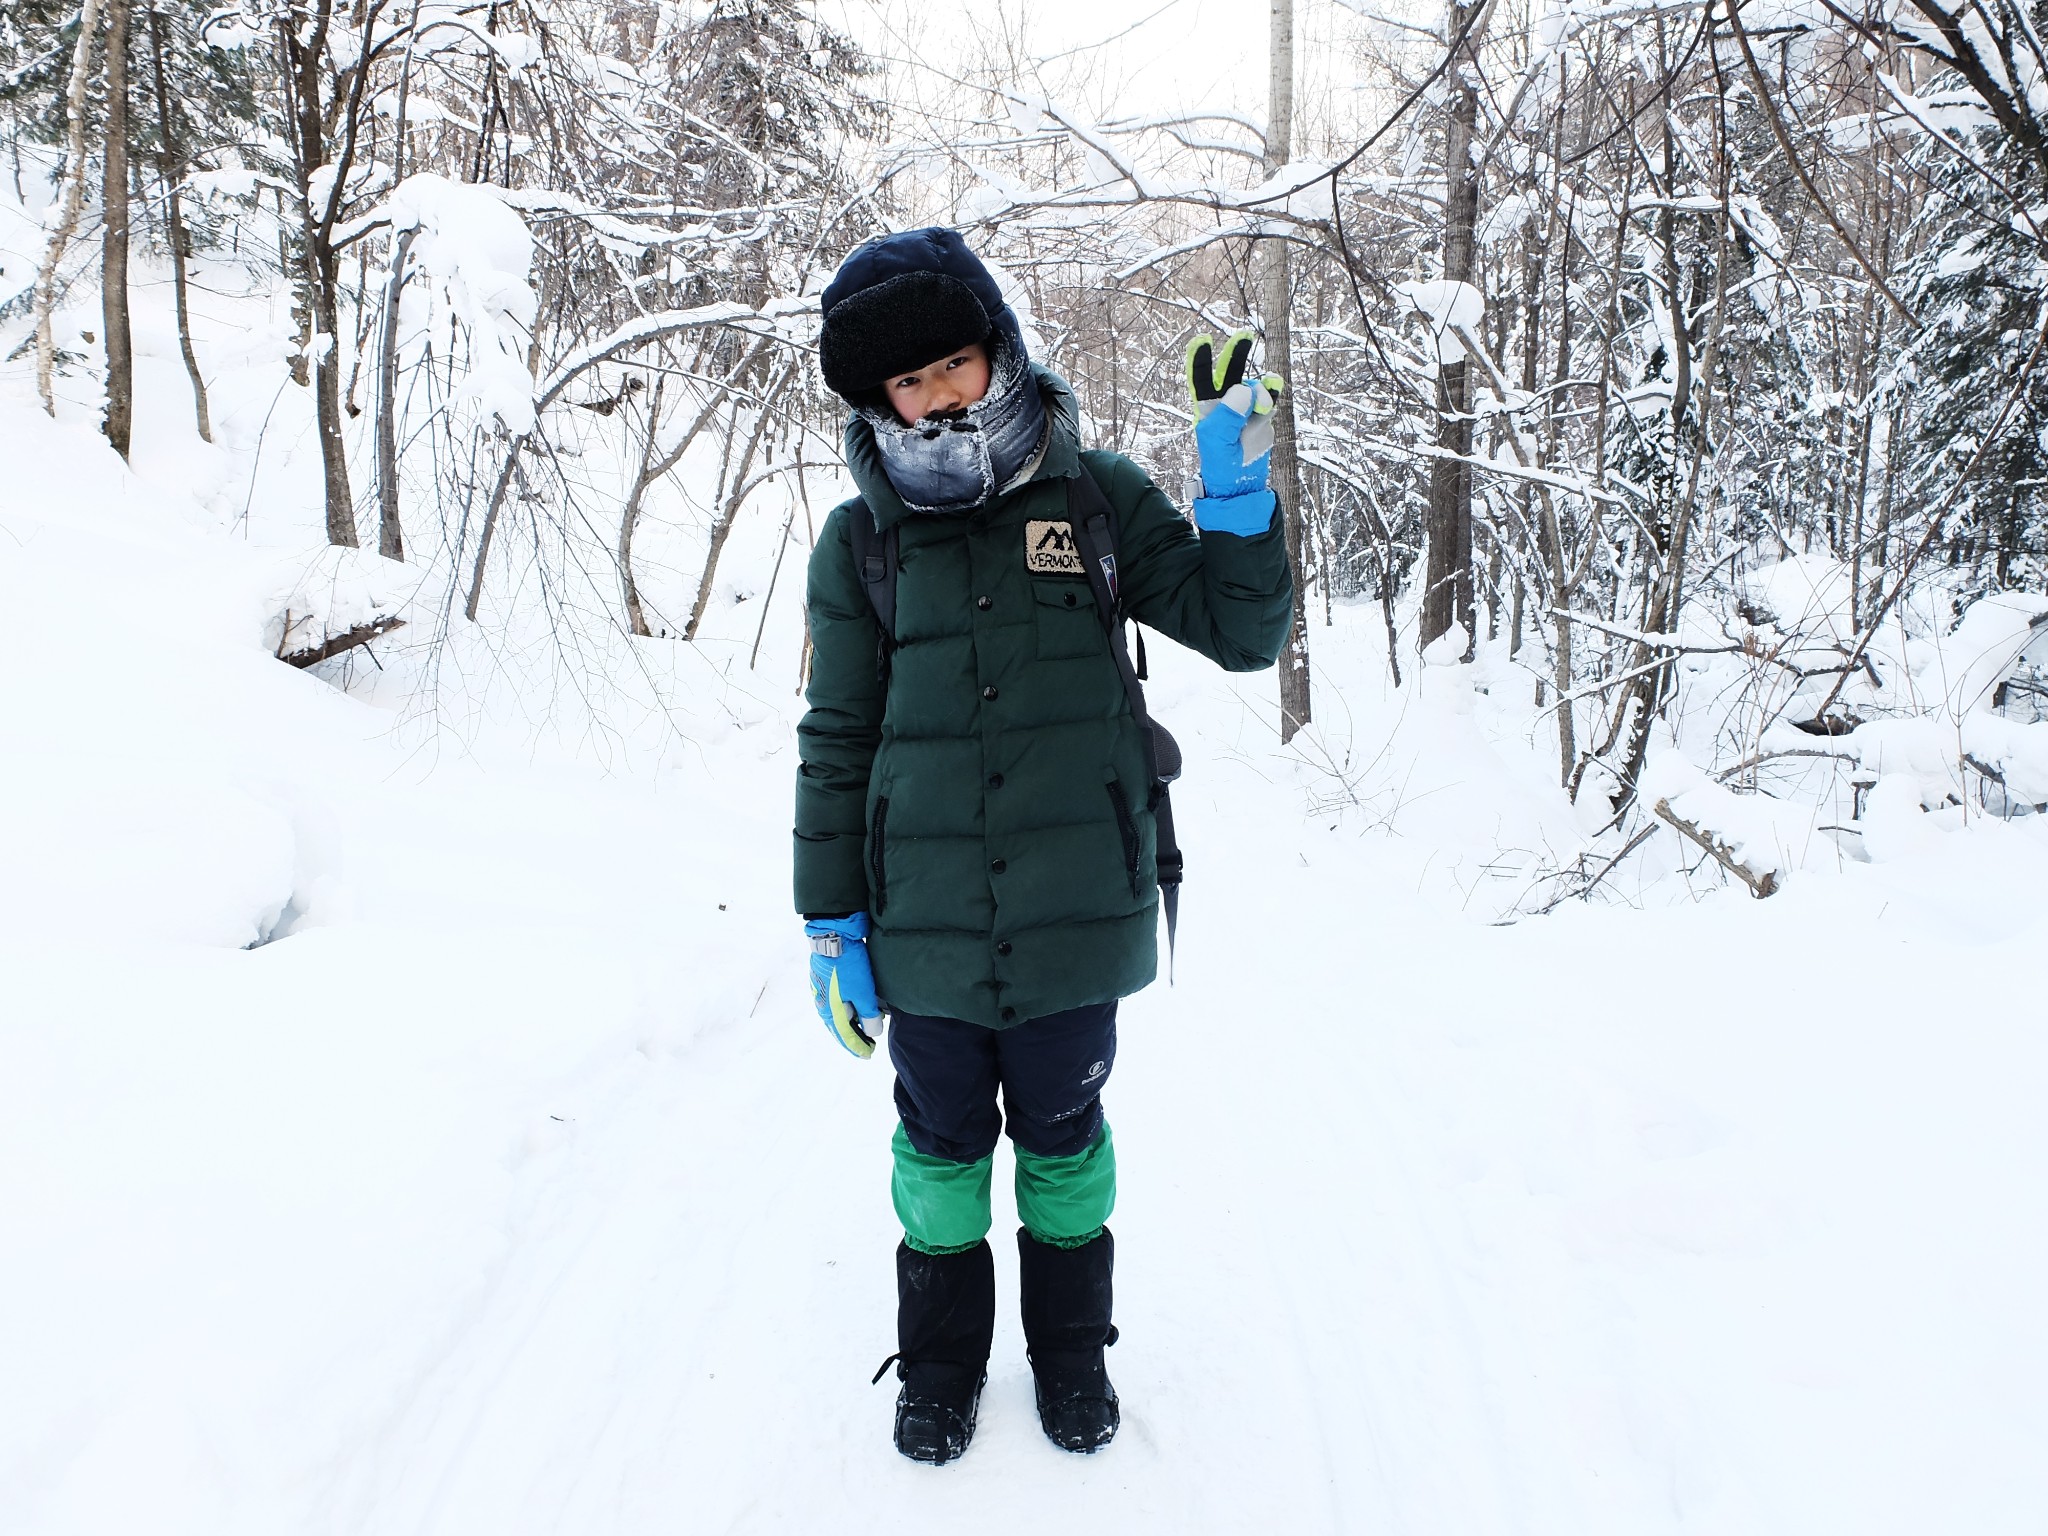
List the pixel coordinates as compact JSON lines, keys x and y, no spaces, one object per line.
{"x":990,"y":812}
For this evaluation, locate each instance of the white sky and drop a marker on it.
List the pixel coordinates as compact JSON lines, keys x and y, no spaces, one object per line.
{"x":1144,"y":55}
{"x":1156,"y":52}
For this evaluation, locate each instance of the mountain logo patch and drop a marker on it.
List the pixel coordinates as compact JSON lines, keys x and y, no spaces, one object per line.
{"x":1049,"y":549}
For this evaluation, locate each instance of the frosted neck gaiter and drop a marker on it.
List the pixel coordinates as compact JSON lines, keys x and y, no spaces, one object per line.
{"x":947,"y":465}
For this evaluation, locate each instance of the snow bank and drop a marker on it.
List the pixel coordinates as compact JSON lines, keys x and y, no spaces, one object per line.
{"x":1807,"y":596}
{"x":155,"y":775}
{"x":1958,"y":672}
{"x":479,"y":254}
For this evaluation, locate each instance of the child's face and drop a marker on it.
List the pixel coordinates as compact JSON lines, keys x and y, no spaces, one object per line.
{"x":953,"y":383}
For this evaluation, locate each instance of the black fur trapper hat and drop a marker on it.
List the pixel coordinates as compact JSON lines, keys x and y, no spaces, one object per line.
{"x":903,"y":301}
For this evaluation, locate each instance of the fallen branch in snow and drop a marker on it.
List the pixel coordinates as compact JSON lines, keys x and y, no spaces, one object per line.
{"x":334,"y":645}
{"x":1760,"y":886}
{"x":1988,"y":770}
{"x":1758,"y":759}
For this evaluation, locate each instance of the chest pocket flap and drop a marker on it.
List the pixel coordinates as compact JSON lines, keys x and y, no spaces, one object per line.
{"x":1067,"y":622}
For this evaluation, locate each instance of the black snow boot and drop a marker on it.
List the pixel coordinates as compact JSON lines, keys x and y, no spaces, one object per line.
{"x":1066,"y":1295}
{"x":945,"y":1320}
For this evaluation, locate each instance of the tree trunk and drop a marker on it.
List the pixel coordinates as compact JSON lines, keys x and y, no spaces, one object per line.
{"x":74,"y":196}
{"x":1644,"y":698}
{"x":1276,"y":301}
{"x":303,"y":41}
{"x":120,"y":417}
{"x":390,"y":537}
{"x":729,"y":514}
{"x":651,"y":470}
{"x":341,"y":509}
{"x":506,"y":471}
{"x":1562,"y":583}
{"x":629,"y":519}
{"x":171,"y":169}
{"x":1447,"y":593}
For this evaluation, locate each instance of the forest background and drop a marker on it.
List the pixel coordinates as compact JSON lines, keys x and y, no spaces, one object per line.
{"x":410,"y":448}
{"x":1704,"y":290}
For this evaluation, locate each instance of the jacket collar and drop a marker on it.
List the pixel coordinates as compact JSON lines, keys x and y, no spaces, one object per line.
{"x":1062,"y":450}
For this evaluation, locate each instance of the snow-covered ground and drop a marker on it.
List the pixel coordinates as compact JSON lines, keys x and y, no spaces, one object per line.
{"x":508,"y":1184}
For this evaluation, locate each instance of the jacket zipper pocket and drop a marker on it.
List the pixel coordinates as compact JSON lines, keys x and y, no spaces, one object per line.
{"x":1127,"y":828}
{"x":875,"y":865}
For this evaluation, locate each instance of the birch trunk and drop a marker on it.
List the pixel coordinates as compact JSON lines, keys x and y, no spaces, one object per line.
{"x":1276,"y":301}
{"x":390,"y":534}
{"x":73,"y":198}
{"x":629,"y":520}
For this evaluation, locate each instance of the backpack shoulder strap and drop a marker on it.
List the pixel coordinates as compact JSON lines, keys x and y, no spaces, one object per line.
{"x":1101,"y":502}
{"x":1094,"y":523}
{"x":874,"y":561}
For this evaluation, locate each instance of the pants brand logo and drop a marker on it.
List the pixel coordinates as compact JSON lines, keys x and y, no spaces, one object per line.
{"x":1095,"y":1071}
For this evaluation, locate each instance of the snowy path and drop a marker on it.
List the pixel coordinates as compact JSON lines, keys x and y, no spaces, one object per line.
{"x":1389,"y":1261}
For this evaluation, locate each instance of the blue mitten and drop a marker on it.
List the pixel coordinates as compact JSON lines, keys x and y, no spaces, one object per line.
{"x":1233,"y":436}
{"x":842,"y":981}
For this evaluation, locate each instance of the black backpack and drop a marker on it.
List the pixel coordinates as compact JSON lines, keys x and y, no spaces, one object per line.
{"x":1094,"y":525}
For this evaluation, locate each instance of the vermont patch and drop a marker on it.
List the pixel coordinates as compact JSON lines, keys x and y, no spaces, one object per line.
{"x":1049,"y":549}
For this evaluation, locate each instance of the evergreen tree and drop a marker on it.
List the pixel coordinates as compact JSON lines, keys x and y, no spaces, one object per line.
{"x":36,"y":39}
{"x":1978,"y":285}
{"x":1981,"y":289}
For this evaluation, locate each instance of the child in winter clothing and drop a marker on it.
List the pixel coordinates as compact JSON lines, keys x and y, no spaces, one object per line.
{"x":976,"y":832}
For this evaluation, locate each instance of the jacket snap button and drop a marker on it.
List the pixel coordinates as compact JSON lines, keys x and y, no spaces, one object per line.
{"x":997,"y":865}
{"x":1070,"y":599}
{"x":995,"y":781}
{"x":989,"y":693}
{"x":1003,"y":948}
{"x":1009,"y":1015}
{"x":984,"y":603}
